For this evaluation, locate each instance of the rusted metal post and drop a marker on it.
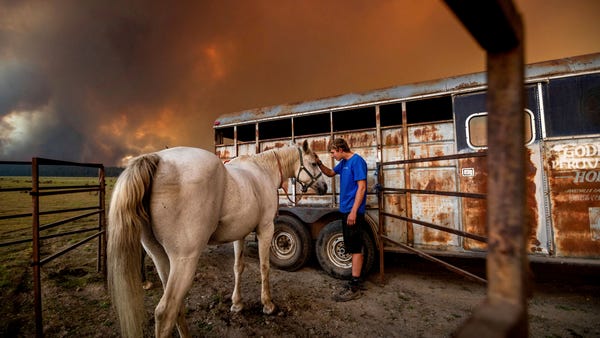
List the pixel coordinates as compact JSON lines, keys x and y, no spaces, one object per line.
{"x":507,"y":224}
{"x":504,"y":313}
{"x":35,"y":236}
{"x":497,"y":27}
{"x":102,"y":222}
{"x":380,"y":225}
{"x":380,"y":194}
{"x":410,"y":234}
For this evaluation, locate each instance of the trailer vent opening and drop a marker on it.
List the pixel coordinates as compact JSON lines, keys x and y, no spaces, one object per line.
{"x":362,"y":118}
{"x":429,"y":110}
{"x":311,"y":124}
{"x":390,"y":115}
{"x":246,"y":133}
{"x":224,"y":136}
{"x":275,"y":129}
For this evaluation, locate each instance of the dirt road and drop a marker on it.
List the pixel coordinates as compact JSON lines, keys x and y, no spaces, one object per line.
{"x":418,"y":299}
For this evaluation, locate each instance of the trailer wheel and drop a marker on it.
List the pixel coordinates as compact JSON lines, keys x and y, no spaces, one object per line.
{"x":291,"y":246}
{"x":332,"y":255}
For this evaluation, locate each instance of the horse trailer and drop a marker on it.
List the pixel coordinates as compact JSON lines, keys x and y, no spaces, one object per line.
{"x":425,"y":147}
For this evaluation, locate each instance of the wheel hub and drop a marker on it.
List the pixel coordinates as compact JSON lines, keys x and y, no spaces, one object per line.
{"x":283,"y":245}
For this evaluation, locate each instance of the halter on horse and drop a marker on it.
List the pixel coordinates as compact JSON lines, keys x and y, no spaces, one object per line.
{"x":302,"y":169}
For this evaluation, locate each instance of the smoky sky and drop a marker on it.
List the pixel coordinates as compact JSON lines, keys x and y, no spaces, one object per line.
{"x":97,"y":81}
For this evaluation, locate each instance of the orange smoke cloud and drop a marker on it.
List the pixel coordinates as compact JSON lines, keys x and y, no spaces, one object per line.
{"x":107,"y":81}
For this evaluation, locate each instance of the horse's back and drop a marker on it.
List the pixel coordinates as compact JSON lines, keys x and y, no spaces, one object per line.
{"x":193,"y":170}
{"x":186,"y":163}
{"x":187,"y":193}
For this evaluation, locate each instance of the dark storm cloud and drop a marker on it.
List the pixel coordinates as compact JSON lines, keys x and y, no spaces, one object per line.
{"x":20,"y":88}
{"x":85,"y":65}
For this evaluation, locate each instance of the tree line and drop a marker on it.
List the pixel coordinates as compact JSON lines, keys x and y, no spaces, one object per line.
{"x":57,"y":171}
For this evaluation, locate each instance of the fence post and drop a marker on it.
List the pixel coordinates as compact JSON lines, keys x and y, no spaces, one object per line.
{"x":381,"y":206}
{"x":37,"y":283}
{"x":102,"y":222}
{"x":498,"y":28}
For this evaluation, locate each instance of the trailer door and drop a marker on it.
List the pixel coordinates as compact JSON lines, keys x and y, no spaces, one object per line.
{"x":471,"y":136}
{"x":572,"y":161}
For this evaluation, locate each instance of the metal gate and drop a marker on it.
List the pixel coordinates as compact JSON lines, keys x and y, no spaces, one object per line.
{"x":407,"y":192}
{"x":36,"y":191}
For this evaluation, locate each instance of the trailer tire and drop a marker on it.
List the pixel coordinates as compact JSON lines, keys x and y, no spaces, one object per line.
{"x":291,"y":246}
{"x":332,"y":255}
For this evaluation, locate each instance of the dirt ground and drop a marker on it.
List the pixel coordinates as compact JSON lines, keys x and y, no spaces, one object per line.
{"x":418,"y":299}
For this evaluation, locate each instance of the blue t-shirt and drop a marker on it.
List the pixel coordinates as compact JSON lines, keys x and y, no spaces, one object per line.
{"x":351,"y":170}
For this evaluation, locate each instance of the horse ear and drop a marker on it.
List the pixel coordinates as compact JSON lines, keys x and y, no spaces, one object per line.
{"x":305,"y":147}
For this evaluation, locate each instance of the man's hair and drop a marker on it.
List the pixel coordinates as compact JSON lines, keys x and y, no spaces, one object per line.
{"x":339,"y":143}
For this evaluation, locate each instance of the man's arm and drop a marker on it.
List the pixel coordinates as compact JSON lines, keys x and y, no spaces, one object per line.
{"x":327,"y":171}
{"x":358,"y":198}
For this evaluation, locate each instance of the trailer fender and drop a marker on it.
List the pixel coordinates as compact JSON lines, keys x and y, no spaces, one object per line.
{"x":309,"y":215}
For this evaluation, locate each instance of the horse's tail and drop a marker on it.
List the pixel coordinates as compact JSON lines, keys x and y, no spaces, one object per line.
{"x":127,"y":216}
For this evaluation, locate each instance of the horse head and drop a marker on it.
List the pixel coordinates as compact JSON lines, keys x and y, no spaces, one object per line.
{"x":309,"y":175}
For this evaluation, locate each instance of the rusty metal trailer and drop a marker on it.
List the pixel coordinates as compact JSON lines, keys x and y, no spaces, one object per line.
{"x":425,"y":145}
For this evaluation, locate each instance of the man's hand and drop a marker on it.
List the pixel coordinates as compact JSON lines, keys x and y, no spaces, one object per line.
{"x":317,"y":159}
{"x":326,"y":171}
{"x":351,"y":220}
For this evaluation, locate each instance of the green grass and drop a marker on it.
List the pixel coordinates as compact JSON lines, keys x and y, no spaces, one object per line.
{"x":68,"y":272}
{"x":20,"y":202}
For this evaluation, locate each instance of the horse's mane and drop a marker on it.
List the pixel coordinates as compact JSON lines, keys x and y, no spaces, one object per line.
{"x":269,"y":157}
{"x":286,"y":156}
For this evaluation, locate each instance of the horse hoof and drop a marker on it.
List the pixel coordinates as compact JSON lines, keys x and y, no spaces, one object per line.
{"x":269,"y":309}
{"x":237,"y":307}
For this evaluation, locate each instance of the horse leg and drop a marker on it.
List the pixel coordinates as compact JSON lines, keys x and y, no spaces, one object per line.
{"x":161,"y":261}
{"x":170,"y":308}
{"x":182,"y":326}
{"x":265,"y":234}
{"x":159,"y":258}
{"x":238,"y":268}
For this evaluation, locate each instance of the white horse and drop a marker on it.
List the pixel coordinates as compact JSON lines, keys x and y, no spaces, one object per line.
{"x":175,"y":202}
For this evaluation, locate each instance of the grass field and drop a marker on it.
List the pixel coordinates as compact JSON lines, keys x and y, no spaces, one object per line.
{"x":20,"y":203}
{"x":15,"y":270}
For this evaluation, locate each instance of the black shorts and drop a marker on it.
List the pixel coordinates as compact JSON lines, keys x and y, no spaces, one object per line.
{"x":353,"y":240}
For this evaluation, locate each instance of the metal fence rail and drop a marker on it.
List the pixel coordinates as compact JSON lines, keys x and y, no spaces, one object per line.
{"x":36,"y":191}
{"x":381,"y":189}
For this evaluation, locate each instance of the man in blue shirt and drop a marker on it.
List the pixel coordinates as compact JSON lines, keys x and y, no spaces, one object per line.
{"x":353,"y":189}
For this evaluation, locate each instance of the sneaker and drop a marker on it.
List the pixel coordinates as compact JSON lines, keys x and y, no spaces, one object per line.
{"x":348,"y":293}
{"x":360,"y":284}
